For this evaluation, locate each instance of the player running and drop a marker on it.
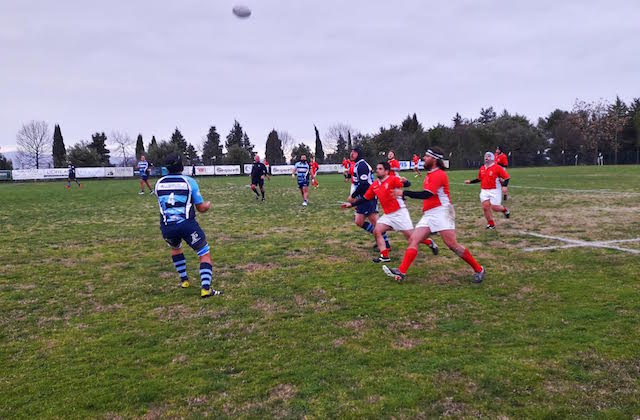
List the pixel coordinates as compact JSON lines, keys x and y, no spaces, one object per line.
{"x":490,"y":176}
{"x":501,"y":159}
{"x":394,"y":164}
{"x":71,"y":176}
{"x":301,"y":172}
{"x":314,"y":172}
{"x":416,"y":160}
{"x":178,"y":195}
{"x":346,"y":164}
{"x":438,"y":216}
{"x":258,"y":172}
{"x":367,"y":210}
{"x":143,"y":170}
{"x":396,"y":216}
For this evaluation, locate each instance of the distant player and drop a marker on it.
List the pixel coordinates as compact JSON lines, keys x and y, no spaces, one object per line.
{"x":178,"y":196}
{"x":302,"y":172}
{"x":491,"y":177}
{"x":396,"y":216}
{"x":314,"y":172}
{"x":71,"y":176}
{"x":258,"y":172}
{"x":416,"y":160}
{"x":501,"y":159}
{"x":367,"y":210}
{"x":438,"y":216}
{"x":394,"y":164}
{"x":144,"y":171}
{"x":346,"y":164}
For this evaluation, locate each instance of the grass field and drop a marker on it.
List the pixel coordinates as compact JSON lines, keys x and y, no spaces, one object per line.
{"x":92,"y":323}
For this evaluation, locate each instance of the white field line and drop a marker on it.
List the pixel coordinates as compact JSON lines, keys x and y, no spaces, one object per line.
{"x":577,"y":190}
{"x":576,"y":243}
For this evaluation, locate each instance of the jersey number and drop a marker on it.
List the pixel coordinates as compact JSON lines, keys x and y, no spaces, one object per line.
{"x":172,"y":199}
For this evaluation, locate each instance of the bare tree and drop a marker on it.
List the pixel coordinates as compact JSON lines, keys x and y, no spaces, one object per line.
{"x":335,"y":132}
{"x":123,"y":144}
{"x":34,"y":143}
{"x":288,"y":142}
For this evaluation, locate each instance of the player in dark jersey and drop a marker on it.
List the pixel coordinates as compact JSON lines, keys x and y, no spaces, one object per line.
{"x":144,"y":171}
{"x":367,"y":210}
{"x":71,"y":176}
{"x":258,"y":172}
{"x":179,"y":196}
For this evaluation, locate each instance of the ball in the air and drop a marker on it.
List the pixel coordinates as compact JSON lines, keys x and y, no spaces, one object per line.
{"x":242,"y":11}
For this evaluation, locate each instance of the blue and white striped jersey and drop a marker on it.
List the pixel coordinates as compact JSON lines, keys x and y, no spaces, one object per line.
{"x":302,"y":171}
{"x":177,"y":196}
{"x":142,"y":167}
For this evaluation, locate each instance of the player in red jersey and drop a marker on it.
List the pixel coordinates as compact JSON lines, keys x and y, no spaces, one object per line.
{"x":438,"y":216}
{"x":313,"y":166}
{"x":491,"y":177}
{"x":416,"y":159}
{"x":346,"y":164}
{"x":396,"y":216}
{"x":394,"y":164}
{"x":501,"y":159}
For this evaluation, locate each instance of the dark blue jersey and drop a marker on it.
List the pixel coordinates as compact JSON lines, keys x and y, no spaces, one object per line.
{"x":72,"y":171}
{"x":362,"y":178}
{"x":177,"y":196}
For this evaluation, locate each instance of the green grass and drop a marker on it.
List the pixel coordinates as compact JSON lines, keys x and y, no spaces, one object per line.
{"x":93,"y":325}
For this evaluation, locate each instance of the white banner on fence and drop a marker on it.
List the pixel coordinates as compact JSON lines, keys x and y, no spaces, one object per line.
{"x":54,"y":173}
{"x":282,"y":169}
{"x":247,"y":168}
{"x":405,"y":165}
{"x":90,"y":172}
{"x":329,"y":168}
{"x":118,"y":172}
{"x":205,"y":170}
{"x":227,"y":170}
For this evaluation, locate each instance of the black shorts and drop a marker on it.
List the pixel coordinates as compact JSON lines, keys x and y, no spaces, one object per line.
{"x":188,"y":231}
{"x":257,"y":181}
{"x":368,"y":207}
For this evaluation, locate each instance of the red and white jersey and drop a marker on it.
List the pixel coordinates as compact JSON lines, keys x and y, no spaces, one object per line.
{"x":437,"y":182}
{"x":384,"y":190}
{"x":501,"y":159}
{"x":415,"y":159}
{"x":490,"y":176}
{"x":314,"y":168}
{"x":395,"y":167}
{"x":346,"y":163}
{"x":352,"y":167}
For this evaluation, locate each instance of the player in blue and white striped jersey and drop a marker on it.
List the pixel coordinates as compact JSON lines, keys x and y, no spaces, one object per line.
{"x":179,"y":197}
{"x":143,"y":170}
{"x":302,"y":173}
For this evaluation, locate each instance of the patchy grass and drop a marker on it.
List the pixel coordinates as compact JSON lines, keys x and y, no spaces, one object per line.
{"x":93,"y":325}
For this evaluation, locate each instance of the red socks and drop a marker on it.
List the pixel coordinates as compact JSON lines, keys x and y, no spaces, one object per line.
{"x":469,"y":260}
{"x":492,"y":223}
{"x":385,"y":253}
{"x":409,"y":255}
{"x":427,"y":242}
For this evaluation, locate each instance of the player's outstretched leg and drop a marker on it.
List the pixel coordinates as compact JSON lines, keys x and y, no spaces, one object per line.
{"x":180,"y":263}
{"x":418,"y":236}
{"x":380,"y":233}
{"x":449,"y":238}
{"x":502,"y":210}
{"x":206,"y":272}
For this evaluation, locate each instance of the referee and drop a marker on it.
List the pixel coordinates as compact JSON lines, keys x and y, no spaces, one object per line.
{"x":258,"y":172}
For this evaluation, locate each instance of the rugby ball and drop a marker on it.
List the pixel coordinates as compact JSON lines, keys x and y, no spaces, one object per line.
{"x":242,"y":12}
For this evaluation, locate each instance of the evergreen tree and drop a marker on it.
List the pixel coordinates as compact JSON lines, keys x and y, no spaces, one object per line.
{"x":238,"y":155}
{"x":349,"y":143}
{"x":153,"y":142}
{"x":341,"y":147}
{"x":85,"y":154}
{"x":319,"y":150}
{"x":5,"y":164}
{"x":246,"y":145}
{"x":487,"y":116}
{"x":157,"y":152}
{"x":273,"y":149}
{"x":178,"y":139}
{"x":192,"y":155}
{"x":235,"y":136}
{"x":139,"y":147}
{"x":411,"y":124}
{"x":212,"y":149}
{"x":299,"y":150}
{"x":59,"y":152}
{"x":99,"y":145}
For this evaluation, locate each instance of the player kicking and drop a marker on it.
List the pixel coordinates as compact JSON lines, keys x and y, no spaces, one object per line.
{"x":416,"y":160}
{"x":143,"y":170}
{"x":396,"y":216}
{"x":301,"y":172}
{"x":490,"y":176}
{"x":367,"y":211}
{"x":258,"y":172}
{"x":71,"y":176}
{"x":501,"y":159}
{"x":394,"y":164}
{"x":438,"y":216}
{"x":314,"y":172}
{"x":178,"y":195}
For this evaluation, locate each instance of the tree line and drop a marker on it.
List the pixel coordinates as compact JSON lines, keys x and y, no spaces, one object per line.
{"x":576,"y":136}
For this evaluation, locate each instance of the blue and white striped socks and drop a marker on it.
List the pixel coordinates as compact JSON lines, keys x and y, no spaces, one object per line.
{"x":181,"y":266}
{"x":369,"y":228}
{"x":206,"y":271}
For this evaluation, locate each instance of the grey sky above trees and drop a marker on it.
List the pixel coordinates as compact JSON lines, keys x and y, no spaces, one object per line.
{"x":149,"y":67}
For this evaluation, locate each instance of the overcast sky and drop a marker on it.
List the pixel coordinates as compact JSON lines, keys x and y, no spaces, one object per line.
{"x":149,"y":66}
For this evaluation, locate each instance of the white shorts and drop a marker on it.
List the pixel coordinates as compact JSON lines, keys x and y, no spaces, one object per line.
{"x":438,"y":218}
{"x":399,"y":220}
{"x":494,"y":196}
